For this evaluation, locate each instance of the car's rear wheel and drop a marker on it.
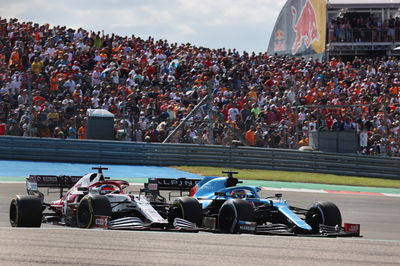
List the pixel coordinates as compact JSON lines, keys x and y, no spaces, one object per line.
{"x":91,"y":206}
{"x":233,"y":211}
{"x":26,"y":211}
{"x":325,"y":213}
{"x":186,"y":208}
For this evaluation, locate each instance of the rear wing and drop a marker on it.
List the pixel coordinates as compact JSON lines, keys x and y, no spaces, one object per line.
{"x":34,"y":182}
{"x":183,"y":183}
{"x":154,"y":185}
{"x":52,"y":181}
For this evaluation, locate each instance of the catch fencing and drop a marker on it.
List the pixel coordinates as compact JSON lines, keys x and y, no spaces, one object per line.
{"x":117,"y":152}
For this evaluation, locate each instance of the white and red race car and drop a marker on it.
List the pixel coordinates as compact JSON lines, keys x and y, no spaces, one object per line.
{"x":96,"y":201}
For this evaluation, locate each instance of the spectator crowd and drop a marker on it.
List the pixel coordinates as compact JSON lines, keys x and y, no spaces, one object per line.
{"x":364,"y":27}
{"x":151,"y":85}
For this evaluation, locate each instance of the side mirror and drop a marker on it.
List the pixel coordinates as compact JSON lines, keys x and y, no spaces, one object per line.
{"x":278,"y":195}
{"x":83,"y":189}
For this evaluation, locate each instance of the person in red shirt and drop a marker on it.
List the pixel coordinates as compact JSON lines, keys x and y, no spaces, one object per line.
{"x":309,"y":97}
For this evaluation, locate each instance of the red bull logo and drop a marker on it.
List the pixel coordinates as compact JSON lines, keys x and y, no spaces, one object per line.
{"x":279,"y":42}
{"x":279,"y":35}
{"x":305,"y":26}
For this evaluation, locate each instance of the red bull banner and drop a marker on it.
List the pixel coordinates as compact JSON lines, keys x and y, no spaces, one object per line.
{"x":300,"y":29}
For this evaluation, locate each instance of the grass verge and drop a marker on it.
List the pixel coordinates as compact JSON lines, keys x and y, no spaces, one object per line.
{"x":301,"y":177}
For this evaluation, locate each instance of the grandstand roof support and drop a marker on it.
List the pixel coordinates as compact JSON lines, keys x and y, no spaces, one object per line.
{"x":30,"y":101}
{"x":210,"y":114}
{"x":124,"y":114}
{"x":167,"y":139}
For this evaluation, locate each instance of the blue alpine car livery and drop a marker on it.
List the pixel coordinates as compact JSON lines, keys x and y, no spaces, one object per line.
{"x":220,"y":204}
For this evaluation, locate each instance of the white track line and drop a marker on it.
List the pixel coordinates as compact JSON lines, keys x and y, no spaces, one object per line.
{"x":391,"y":195}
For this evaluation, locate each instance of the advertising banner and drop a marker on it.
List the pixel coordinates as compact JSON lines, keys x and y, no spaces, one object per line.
{"x":300,"y":29}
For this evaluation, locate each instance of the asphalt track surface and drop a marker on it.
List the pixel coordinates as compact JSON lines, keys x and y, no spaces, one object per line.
{"x":379,"y":218}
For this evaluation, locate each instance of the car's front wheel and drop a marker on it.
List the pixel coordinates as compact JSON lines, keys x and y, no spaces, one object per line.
{"x":89,"y":207}
{"x":233,"y":211}
{"x":186,"y":208}
{"x":325,"y":213}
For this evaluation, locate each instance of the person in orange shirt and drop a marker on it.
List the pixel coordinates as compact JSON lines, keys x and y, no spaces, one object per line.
{"x":82,"y":132}
{"x":103,"y":55}
{"x":54,"y":82}
{"x":303,"y":142}
{"x":250,"y":137}
{"x":394,"y":90}
{"x":252,"y":94}
{"x":15,"y":59}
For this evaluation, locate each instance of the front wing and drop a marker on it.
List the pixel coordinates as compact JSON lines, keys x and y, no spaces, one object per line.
{"x":248,"y":227}
{"x":135,"y":223}
{"x":324,"y":231}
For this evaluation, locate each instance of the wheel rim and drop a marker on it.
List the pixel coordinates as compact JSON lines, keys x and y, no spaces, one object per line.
{"x":314,"y":219}
{"x":84,"y":216}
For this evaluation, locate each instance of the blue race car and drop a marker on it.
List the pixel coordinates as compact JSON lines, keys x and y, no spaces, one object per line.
{"x":218,"y":204}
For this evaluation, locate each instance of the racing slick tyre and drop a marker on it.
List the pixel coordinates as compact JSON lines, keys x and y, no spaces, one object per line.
{"x":233,"y":211}
{"x":326,"y":213}
{"x":26,"y":211}
{"x":91,"y":206}
{"x":187,"y":208}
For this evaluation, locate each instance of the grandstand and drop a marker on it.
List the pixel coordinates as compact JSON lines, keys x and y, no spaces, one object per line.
{"x":333,"y":28}
{"x":50,"y":76}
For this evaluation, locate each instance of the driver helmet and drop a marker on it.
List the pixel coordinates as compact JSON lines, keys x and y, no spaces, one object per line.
{"x":105,"y":189}
{"x":238,"y":193}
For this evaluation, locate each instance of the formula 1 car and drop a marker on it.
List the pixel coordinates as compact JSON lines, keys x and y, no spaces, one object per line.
{"x":217,"y":204}
{"x":94,"y":201}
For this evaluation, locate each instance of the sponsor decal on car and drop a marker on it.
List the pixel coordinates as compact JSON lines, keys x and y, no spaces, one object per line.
{"x":177,"y":182}
{"x":31,"y":186}
{"x":352,"y":228}
{"x":153,"y":186}
{"x":246,"y":226}
{"x":100,"y":222}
